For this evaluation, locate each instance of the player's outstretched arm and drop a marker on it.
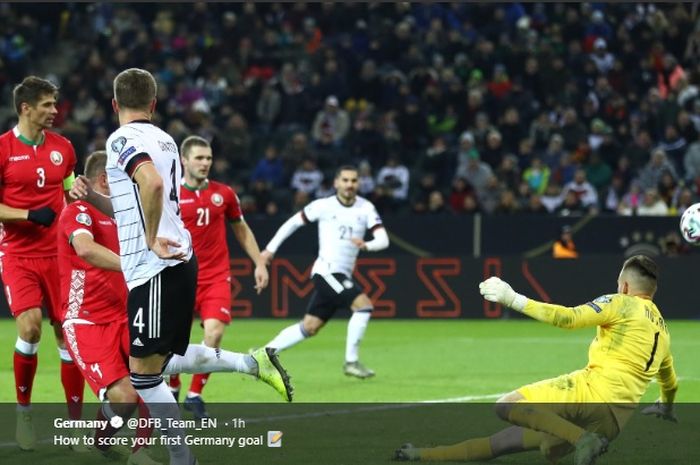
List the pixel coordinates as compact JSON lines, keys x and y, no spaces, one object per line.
{"x":668,"y":383}
{"x":496,"y":290}
{"x":288,"y":228}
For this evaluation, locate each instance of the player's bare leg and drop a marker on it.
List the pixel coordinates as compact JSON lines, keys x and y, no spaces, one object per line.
{"x":123,"y":400}
{"x":361,"y":313}
{"x":25,"y":362}
{"x":72,"y":381}
{"x":294,"y":334}
{"x":213,"y":335}
{"x":146,"y":377}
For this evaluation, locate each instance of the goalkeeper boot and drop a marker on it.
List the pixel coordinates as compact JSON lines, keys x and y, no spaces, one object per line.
{"x":141,"y":457}
{"x":406,"y":453}
{"x":271,"y":371}
{"x":196,"y":406}
{"x":589,"y":447}
{"x":357,"y":370}
{"x":24,"y":434}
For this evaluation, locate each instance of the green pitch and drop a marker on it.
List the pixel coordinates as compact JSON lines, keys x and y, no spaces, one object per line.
{"x":414,"y":360}
{"x":465,"y":364}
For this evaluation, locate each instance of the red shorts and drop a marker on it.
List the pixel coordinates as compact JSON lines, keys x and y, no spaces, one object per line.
{"x":31,"y":282}
{"x":214,"y":301}
{"x":101,"y":351}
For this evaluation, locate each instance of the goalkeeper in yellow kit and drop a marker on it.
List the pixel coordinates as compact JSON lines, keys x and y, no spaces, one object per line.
{"x":581,"y":411}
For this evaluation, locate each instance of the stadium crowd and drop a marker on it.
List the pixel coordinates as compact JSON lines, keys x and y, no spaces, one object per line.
{"x":543,"y":108}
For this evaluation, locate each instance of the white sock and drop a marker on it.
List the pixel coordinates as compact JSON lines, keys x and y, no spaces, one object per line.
{"x":161,"y":404}
{"x":356,"y":329}
{"x":26,"y":348}
{"x":289,"y":336}
{"x":202,"y":359}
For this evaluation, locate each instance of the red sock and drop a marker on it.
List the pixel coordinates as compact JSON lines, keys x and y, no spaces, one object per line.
{"x":198,"y":382}
{"x":25,"y":369}
{"x":73,"y":385}
{"x":174,"y":382}
{"x":143,"y":432}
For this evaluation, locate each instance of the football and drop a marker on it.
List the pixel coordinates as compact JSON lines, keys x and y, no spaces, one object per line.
{"x":690,"y":224}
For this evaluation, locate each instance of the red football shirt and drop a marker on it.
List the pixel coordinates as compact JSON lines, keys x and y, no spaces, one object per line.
{"x":205,"y":212}
{"x":32,"y":177}
{"x":87,"y":292}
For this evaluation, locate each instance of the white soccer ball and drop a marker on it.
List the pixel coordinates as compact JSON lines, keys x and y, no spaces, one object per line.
{"x":690,"y":224}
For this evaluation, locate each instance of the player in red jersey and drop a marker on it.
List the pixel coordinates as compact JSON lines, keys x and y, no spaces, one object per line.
{"x":206,"y":206}
{"x":36,"y":167}
{"x":93,"y":296}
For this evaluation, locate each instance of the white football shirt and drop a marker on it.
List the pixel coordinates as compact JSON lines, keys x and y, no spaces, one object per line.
{"x":337,"y":224}
{"x":127,"y":148}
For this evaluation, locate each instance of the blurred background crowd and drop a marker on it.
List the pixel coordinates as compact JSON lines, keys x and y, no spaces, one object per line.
{"x":447,"y":109}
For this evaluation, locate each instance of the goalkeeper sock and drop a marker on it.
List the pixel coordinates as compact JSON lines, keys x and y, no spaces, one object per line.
{"x":541,"y":419}
{"x":356,"y":329}
{"x":288,"y":337}
{"x":202,"y":359}
{"x":471,"y":449}
{"x":73,"y":384}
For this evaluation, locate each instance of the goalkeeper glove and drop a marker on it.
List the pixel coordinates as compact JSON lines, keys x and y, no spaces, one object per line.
{"x":661,"y":410}
{"x":496,"y":290}
{"x":43,"y":216}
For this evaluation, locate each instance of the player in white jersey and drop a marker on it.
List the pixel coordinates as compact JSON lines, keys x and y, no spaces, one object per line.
{"x":343,"y":220}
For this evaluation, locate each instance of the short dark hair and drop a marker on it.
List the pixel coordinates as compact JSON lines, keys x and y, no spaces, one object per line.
{"x":345,"y":168}
{"x":192,"y":141}
{"x":135,"y":88}
{"x":31,"y":90}
{"x":645,"y":270}
{"x":95,"y":163}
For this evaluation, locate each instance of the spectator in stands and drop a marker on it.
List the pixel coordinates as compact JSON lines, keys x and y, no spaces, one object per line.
{"x":571,"y":130}
{"x":582,"y":189}
{"x":476,"y":172}
{"x":296,"y":150}
{"x":598,"y":172}
{"x":268,"y":107}
{"x":439,"y":160}
{"x":507,"y":203}
{"x":492,"y":152}
{"x":564,"y":246}
{"x":365,"y":180}
{"x":269,"y":169}
{"x":394,"y":176}
{"x":331,"y":124}
{"x":571,"y":205}
{"x":691,"y":162}
{"x":235,"y":142}
{"x":509,"y":173}
{"x":675,"y":145}
{"x":460,"y":190}
{"x":602,"y":58}
{"x":652,"y":204}
{"x":554,"y":152}
{"x":659,"y":164}
{"x":535,"y":205}
{"x":611,"y":195}
{"x":537,"y":176}
{"x":307,"y":178}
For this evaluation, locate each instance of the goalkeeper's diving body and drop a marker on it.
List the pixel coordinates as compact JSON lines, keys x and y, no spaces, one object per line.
{"x":581,"y":411}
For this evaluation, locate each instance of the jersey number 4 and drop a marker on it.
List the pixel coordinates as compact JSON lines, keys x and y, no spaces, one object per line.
{"x":173,"y":190}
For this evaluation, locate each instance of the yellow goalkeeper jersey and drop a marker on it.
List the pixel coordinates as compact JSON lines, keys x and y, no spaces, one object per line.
{"x":631,"y":347}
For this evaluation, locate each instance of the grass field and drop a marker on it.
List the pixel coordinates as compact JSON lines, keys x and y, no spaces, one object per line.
{"x":463,"y":365}
{"x":414,"y":360}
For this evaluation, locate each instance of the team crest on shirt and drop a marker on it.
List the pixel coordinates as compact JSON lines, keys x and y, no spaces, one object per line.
{"x":84,"y":218}
{"x":118,"y":144}
{"x":217,"y":199}
{"x":603,"y":299}
{"x":56,"y":157}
